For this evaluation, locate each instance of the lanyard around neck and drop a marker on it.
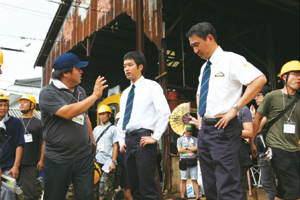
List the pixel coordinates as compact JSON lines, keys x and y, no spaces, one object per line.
{"x":288,"y":117}
{"x":25,"y":127}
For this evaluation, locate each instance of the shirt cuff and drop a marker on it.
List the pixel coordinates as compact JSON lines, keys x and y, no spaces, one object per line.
{"x":156,"y":136}
{"x":121,"y":142}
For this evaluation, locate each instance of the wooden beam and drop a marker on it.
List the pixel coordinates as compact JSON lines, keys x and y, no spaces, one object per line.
{"x":179,"y":18}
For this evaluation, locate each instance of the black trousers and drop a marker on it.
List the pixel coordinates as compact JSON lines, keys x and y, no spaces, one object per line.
{"x":27,"y":179}
{"x":140,"y":166}
{"x":218,"y":153}
{"x":60,"y":173}
{"x":287,"y":169}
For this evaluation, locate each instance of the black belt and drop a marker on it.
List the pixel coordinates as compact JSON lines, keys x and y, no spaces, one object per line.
{"x":210,"y":121}
{"x":138,"y":131}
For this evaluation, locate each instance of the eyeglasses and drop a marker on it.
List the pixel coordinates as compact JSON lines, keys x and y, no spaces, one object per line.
{"x":4,"y":104}
{"x":295,"y":73}
{"x":258,"y":95}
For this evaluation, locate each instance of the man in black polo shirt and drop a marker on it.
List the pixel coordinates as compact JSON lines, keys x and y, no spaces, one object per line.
{"x":67,"y":130}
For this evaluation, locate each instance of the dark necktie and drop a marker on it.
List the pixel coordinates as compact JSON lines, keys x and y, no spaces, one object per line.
{"x":204,"y":89}
{"x":128,"y":108}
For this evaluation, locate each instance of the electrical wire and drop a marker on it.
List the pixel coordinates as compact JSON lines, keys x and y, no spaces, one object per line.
{"x":29,"y":11}
{"x":21,"y":37}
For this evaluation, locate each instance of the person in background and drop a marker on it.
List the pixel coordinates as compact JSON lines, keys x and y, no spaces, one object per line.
{"x":266,"y":171}
{"x":67,"y":130}
{"x":283,"y":136}
{"x":218,"y":100}
{"x":11,"y":145}
{"x":245,"y":118}
{"x":144,"y":117}
{"x":187,"y":147}
{"x":1,"y":63}
{"x":33,"y":157}
{"x":107,"y":151}
{"x":121,"y":175}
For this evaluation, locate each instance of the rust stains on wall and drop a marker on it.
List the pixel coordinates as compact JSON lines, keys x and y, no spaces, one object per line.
{"x":88,"y":16}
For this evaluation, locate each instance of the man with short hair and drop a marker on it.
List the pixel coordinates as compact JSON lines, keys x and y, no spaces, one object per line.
{"x":219,"y":99}
{"x":33,"y":157}
{"x":283,"y":136}
{"x":67,"y":130}
{"x":11,"y":145}
{"x":107,"y":150}
{"x":187,"y":147}
{"x":144,"y":117}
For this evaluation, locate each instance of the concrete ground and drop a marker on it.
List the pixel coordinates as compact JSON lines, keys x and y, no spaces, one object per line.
{"x":260,"y":193}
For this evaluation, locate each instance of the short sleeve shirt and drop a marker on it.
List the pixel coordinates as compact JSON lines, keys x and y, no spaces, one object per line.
{"x":244,"y":115}
{"x":105,"y":144}
{"x":15,"y":132}
{"x":272,"y":105}
{"x":185,"y":142}
{"x":229,"y":72}
{"x":32,"y":148}
{"x":64,"y":139}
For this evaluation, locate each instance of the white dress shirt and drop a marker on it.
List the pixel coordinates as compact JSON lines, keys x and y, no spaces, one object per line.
{"x":150,"y":109}
{"x":229,"y":72}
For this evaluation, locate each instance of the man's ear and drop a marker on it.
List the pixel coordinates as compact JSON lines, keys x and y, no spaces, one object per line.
{"x":141,"y":66}
{"x":284,"y":77}
{"x":210,"y":38}
{"x":32,"y":106}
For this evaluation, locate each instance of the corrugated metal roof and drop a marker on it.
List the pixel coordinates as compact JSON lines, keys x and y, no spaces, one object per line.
{"x":85,"y":18}
{"x":30,"y":82}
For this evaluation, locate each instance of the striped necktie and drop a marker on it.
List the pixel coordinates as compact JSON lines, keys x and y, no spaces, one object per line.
{"x":128,"y":108}
{"x":204,"y":89}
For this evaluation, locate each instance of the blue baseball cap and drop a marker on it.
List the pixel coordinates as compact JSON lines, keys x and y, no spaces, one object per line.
{"x":66,"y":60}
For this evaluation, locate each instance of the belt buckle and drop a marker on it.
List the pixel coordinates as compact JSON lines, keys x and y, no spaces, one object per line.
{"x":210,"y":121}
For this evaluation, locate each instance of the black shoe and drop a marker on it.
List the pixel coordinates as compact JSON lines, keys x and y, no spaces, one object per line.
{"x":182,"y":198}
{"x":198,"y":198}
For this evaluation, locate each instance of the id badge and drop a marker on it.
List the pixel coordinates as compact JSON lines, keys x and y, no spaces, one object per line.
{"x":28,"y":138}
{"x":79,"y":119}
{"x":100,"y":148}
{"x":289,"y":128}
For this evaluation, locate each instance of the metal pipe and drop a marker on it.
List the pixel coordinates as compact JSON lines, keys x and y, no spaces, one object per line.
{"x":182,"y":49}
{"x":139,"y":26}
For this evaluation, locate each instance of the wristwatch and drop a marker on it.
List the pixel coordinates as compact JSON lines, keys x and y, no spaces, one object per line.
{"x":237,"y":107}
{"x":114,"y":161}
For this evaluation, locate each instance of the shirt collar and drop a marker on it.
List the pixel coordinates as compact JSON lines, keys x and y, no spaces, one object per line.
{"x":60,"y":85}
{"x":215,"y":55}
{"x":139,"y":81}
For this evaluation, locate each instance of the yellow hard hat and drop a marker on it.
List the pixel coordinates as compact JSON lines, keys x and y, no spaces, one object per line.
{"x":97,"y":173}
{"x":117,"y":116}
{"x":293,"y":65}
{"x":1,"y":58}
{"x":3,"y":97}
{"x":104,"y":108}
{"x":28,"y":97}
